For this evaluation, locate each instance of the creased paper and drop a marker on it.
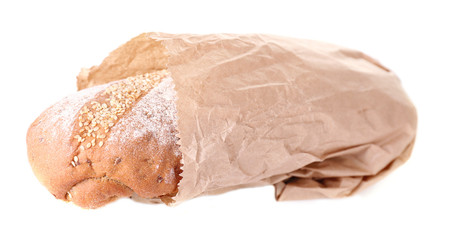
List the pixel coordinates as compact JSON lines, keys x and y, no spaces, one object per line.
{"x":313,"y":119}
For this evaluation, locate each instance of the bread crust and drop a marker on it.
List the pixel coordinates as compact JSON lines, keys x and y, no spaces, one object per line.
{"x":138,"y":154}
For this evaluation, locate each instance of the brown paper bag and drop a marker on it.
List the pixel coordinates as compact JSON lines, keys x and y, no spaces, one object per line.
{"x":313,"y":119}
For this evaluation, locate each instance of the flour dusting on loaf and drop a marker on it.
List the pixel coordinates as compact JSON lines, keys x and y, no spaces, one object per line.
{"x":154,"y":113}
{"x":61,"y":115}
{"x":99,"y":115}
{"x":110,"y":141}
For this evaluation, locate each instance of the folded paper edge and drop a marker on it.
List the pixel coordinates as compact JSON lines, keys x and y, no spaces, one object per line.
{"x":341,"y":192}
{"x":173,"y":201}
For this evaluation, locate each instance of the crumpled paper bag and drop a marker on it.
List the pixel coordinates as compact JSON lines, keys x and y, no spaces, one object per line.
{"x":313,"y":119}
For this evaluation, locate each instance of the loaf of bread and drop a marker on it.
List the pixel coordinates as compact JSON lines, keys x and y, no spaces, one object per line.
{"x":110,"y":141}
{"x":169,"y":117}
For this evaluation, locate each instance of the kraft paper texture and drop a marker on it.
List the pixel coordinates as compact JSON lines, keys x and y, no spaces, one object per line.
{"x":313,"y":119}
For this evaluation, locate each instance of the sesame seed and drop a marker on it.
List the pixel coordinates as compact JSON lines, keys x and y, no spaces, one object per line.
{"x":98,"y":117}
{"x":69,"y":196}
{"x":75,"y":162}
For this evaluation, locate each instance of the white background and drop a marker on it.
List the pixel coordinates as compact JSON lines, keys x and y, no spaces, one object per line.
{"x":44,"y":44}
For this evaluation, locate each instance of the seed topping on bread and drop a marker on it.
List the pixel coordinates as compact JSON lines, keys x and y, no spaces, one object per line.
{"x":97,"y":117}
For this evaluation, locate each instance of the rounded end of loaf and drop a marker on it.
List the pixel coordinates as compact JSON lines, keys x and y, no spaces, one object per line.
{"x":136,"y":155}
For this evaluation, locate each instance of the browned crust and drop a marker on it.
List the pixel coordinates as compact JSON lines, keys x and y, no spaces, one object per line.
{"x":101,"y":174}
